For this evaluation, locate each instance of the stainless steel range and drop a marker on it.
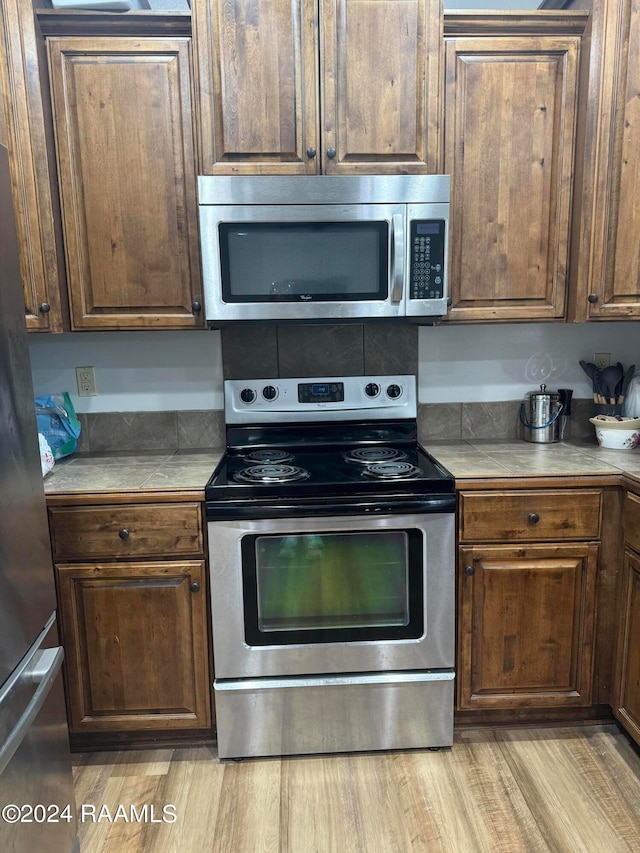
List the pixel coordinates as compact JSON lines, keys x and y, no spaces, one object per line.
{"x":331,"y":537}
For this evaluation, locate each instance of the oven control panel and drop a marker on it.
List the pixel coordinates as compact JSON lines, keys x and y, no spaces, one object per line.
{"x":316,"y":399}
{"x":321,"y":392}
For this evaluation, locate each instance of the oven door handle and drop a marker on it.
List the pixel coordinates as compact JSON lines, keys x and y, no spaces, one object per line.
{"x":397,"y":256}
{"x":316,"y":508}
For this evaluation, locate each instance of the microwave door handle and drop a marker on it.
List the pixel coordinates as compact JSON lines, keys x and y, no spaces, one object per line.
{"x":397,"y":256}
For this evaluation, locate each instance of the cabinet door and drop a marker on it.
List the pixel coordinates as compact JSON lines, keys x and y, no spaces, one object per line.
{"x":135,"y":641}
{"x":258,"y":84}
{"x":32,"y":170}
{"x":526,"y":626}
{"x":510,"y":108}
{"x":613,"y":287}
{"x":127,"y":179}
{"x":627,"y":701}
{"x":380,"y":86}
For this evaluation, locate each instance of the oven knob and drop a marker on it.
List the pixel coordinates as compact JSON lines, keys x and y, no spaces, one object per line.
{"x":269,"y":392}
{"x":247,"y":395}
{"x":372,"y":389}
{"x":394,"y":391}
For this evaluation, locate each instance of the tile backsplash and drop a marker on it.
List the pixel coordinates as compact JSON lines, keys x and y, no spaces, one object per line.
{"x":134,"y":432}
{"x":254,"y":352}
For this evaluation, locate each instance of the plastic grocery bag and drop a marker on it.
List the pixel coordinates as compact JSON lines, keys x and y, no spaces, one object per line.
{"x":58,"y":423}
{"x":632,"y":400}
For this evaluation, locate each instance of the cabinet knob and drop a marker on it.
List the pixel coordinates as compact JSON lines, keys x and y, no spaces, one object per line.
{"x":123,"y":534}
{"x":196,"y":307}
{"x":534,"y":518}
{"x":311,"y":152}
{"x":45,"y":308}
{"x":469,"y":570}
{"x":195,"y":587}
{"x":593,"y":298}
{"x":331,"y":153}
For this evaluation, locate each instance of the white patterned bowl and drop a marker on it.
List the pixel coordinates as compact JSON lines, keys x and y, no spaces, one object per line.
{"x":617,"y":438}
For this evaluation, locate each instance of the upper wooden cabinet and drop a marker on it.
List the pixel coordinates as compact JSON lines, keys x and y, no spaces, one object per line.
{"x":509,"y":139}
{"x":608,"y":254}
{"x":33,"y":177}
{"x":124,"y":143}
{"x":303,"y":86}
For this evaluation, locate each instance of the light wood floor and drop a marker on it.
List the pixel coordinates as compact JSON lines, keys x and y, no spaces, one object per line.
{"x":500,"y":790}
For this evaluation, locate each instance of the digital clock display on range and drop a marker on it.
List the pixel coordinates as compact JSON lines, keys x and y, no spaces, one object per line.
{"x":320,"y":392}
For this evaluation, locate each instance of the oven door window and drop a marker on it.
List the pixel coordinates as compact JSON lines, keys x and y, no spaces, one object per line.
{"x":333,"y":587}
{"x":308,"y":262}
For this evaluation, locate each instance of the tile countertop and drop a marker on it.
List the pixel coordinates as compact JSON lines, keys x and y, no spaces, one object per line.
{"x":494,"y":459}
{"x":467,"y":460}
{"x":130,"y":472}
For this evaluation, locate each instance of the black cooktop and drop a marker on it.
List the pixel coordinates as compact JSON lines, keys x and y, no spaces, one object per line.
{"x":311,"y":472}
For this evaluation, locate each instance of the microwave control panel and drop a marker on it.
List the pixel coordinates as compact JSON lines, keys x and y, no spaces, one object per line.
{"x":426,"y":275}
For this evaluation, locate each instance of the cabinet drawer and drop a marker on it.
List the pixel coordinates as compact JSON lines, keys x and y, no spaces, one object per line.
{"x":632,"y":521}
{"x":530,"y":515}
{"x":142,"y":530}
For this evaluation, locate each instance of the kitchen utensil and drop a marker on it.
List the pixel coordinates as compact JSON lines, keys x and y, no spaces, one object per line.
{"x":627,"y":380}
{"x":595,"y":376}
{"x":610,"y":377}
{"x":565,"y":424}
{"x":540,"y":416}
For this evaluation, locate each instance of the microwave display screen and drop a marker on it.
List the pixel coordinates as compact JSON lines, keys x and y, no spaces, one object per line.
{"x":304,"y":262}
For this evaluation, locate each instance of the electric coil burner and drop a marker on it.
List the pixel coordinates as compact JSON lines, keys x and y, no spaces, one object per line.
{"x":269,"y":456}
{"x":392,"y":470}
{"x":370,"y":455}
{"x":271,"y":473}
{"x":331,"y":536}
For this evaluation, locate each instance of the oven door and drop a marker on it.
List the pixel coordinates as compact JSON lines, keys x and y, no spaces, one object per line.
{"x":332,"y":595}
{"x":297,"y":262}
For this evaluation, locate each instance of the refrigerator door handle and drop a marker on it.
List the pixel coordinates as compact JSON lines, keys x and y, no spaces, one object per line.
{"x":43,"y":670}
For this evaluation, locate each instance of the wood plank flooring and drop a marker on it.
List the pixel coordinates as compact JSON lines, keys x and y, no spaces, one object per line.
{"x":497,"y":790}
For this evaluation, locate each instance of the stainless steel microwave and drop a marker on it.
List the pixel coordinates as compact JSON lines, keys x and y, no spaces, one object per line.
{"x":324,"y":248}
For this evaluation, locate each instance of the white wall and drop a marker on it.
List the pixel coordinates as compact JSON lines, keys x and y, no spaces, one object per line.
{"x":502,"y":362}
{"x":135,"y":371}
{"x":151,"y":371}
{"x":492,"y":4}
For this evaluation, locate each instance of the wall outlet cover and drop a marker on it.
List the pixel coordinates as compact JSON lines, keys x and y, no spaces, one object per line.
{"x":86,"y":381}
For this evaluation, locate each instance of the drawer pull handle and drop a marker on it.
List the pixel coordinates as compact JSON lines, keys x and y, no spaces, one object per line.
{"x":195,"y":587}
{"x":469,"y":570}
{"x":534,"y":518}
{"x":123,"y":534}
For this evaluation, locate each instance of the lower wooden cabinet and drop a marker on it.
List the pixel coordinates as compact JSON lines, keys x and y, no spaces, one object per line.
{"x":627,"y":704}
{"x":528,"y":564}
{"x":526,"y":626}
{"x":135,"y":640}
{"x":132,"y":609}
{"x":627,"y":693}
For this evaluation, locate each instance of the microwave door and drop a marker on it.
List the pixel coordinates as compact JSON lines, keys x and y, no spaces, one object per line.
{"x":303,"y":262}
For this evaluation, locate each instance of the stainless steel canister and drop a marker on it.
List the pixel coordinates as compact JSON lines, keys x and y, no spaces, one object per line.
{"x":540,"y":416}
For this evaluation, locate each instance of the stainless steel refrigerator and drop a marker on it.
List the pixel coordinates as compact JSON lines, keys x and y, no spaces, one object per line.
{"x":36,"y":783}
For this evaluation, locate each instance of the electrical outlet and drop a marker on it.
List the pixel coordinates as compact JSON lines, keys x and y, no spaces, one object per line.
{"x":86,"y":379}
{"x":602,"y":359}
